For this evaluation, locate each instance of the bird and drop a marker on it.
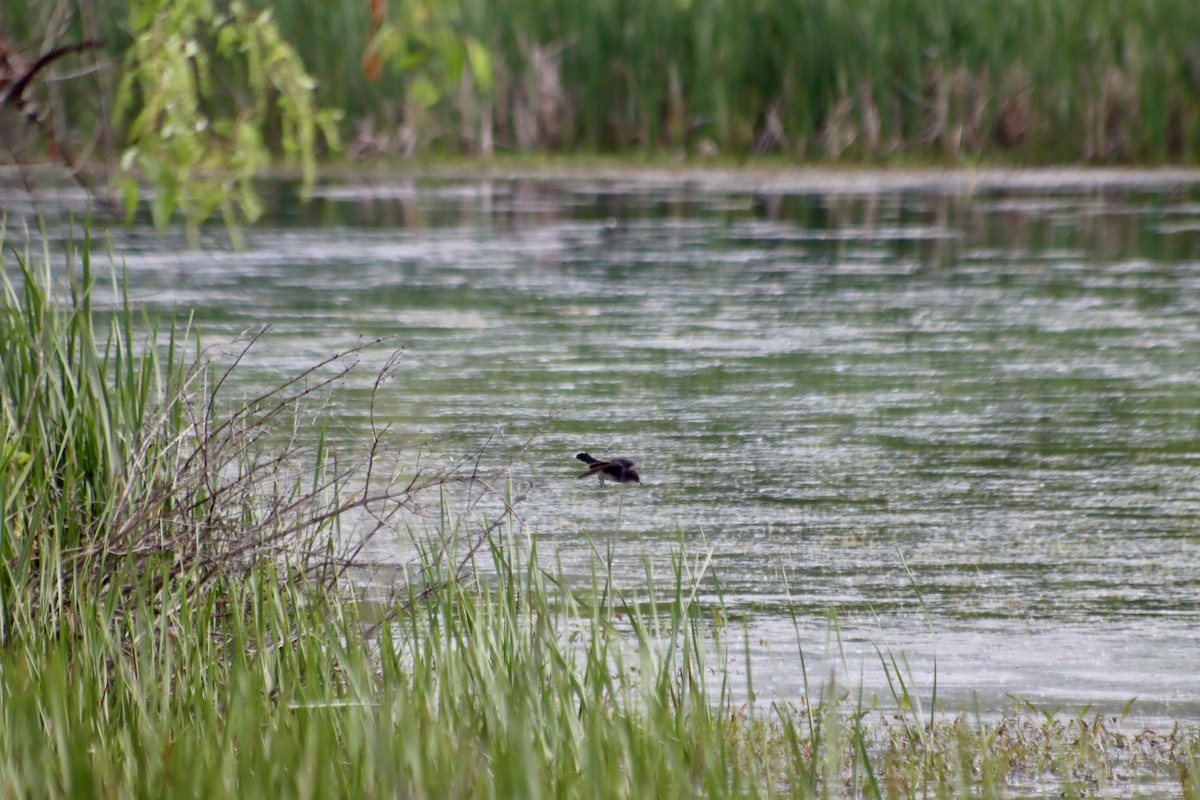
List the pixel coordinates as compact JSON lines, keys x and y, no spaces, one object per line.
{"x":618,"y":470}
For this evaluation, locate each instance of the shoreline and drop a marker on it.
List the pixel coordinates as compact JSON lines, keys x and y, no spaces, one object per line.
{"x":717,"y":175}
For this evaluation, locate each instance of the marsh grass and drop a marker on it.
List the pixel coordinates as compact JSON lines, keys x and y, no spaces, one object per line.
{"x":874,"y":80}
{"x":871,"y":80}
{"x":127,"y":477}
{"x":178,"y":623}
{"x":499,"y":685}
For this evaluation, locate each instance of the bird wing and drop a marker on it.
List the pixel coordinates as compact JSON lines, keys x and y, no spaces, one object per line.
{"x":592,"y":470}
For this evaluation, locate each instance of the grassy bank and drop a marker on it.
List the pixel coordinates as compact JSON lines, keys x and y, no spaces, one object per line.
{"x":879,"y":80}
{"x":178,"y":619}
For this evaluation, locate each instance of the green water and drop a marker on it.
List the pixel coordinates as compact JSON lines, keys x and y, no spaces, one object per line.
{"x":996,"y":383}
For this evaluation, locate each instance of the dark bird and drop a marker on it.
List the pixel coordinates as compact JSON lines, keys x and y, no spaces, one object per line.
{"x":619,"y":470}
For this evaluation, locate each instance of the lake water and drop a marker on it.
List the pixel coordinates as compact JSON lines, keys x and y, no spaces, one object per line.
{"x":954,"y":416}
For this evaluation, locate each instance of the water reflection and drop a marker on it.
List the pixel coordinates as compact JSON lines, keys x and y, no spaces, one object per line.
{"x":976,"y":403}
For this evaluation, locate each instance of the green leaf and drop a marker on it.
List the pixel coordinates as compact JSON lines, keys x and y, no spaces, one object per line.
{"x":131,"y":194}
{"x":422,"y":91}
{"x":481,"y":63}
{"x":180,"y":129}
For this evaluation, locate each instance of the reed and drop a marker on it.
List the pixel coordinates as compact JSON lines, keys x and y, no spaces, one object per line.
{"x":825,"y":80}
{"x":128,"y":478}
{"x":1108,"y":81}
{"x":497,"y":686}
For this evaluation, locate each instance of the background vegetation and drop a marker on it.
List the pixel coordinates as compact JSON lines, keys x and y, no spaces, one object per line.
{"x":1029,"y":80}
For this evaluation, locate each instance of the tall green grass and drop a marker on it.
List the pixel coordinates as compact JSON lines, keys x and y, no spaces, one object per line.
{"x":822,"y":79}
{"x":81,"y":439}
{"x":1046,"y":80}
{"x":177,"y":622}
{"x":494,"y":687}
{"x":1018,"y":80}
{"x":126,"y":476}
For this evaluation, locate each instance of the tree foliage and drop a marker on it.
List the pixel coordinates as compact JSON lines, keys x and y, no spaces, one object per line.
{"x":199,"y":152}
{"x":208,"y":93}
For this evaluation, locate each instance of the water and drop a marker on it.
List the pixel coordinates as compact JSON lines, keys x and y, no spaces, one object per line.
{"x":949,"y":417}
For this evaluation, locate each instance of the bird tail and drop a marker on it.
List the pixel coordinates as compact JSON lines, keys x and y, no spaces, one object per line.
{"x":585,"y":458}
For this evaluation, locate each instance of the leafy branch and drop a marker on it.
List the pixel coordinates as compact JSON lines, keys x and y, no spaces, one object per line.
{"x":198,"y":150}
